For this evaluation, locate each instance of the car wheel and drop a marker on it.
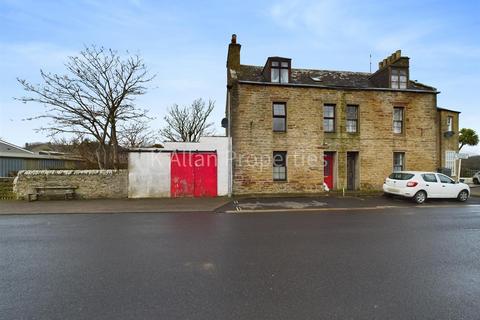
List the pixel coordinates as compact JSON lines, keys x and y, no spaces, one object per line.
{"x":475,"y":181}
{"x":420,"y":197}
{"x":463,"y":196}
{"x":387,"y":195}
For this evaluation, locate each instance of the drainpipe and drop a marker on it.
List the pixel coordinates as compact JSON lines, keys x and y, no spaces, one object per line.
{"x":230,"y":148}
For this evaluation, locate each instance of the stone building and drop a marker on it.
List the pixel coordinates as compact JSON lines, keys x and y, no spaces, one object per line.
{"x":297,"y":130}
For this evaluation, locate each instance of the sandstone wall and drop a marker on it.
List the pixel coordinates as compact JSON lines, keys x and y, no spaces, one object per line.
{"x":447,"y":142}
{"x":92,"y":184}
{"x":253,"y":140}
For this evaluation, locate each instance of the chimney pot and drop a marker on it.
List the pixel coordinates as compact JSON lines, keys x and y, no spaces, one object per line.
{"x":233,"y":56}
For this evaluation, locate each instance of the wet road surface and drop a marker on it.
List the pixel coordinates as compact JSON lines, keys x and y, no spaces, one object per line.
{"x":404,"y":263}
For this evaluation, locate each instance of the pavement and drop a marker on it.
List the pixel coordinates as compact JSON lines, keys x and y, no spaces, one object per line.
{"x":475,"y":190}
{"x":390,"y":263}
{"x":221,"y":204}
{"x":112,"y":205}
{"x":333,"y":203}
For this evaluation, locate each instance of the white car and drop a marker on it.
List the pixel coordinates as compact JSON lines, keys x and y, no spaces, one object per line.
{"x":476,"y":178}
{"x":422,"y":185}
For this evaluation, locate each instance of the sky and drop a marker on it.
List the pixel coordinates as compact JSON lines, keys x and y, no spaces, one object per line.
{"x":185,"y":44}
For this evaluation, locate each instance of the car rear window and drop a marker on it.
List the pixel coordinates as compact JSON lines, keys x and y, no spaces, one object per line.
{"x":401,"y":176}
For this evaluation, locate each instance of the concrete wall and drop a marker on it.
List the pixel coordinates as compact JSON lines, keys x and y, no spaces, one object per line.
{"x":148,"y":175}
{"x":149,"y":171}
{"x":92,"y":184}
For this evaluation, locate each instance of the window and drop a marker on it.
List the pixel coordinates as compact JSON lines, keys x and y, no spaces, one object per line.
{"x":279,"y":117}
{"x":329,"y":118}
{"x":279,"y":71}
{"x":398,"y":161}
{"x":279,"y":165}
{"x":352,"y":119}
{"x":429,"y":177}
{"x":449,"y":123}
{"x":401,"y":176}
{"x":450,"y":161}
{"x":398,"y":79}
{"x":398,"y":120}
{"x":445,"y":179}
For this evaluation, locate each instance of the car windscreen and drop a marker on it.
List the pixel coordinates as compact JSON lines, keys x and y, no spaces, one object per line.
{"x":401,"y":176}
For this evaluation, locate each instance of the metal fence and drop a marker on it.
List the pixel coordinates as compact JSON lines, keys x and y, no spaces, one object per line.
{"x":469,"y":172}
{"x":10,"y":166}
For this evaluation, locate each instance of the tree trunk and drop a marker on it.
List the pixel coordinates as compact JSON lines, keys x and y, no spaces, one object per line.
{"x":114,"y":141}
{"x":99,"y":157}
{"x":105,"y":156}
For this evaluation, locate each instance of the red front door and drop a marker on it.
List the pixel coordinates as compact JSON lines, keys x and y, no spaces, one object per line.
{"x":328,"y":169}
{"x":193,"y":174}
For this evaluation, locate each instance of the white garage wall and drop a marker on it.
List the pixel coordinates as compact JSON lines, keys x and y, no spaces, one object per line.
{"x":148,"y":175}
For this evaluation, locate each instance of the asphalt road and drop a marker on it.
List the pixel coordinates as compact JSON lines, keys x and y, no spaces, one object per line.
{"x":409,"y":263}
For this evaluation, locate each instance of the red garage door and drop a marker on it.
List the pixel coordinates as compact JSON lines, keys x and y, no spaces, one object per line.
{"x":193,"y":174}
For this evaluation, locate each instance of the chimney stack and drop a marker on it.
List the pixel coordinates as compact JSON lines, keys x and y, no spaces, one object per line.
{"x":233,"y":57}
{"x":391,"y":59}
{"x":396,"y":63}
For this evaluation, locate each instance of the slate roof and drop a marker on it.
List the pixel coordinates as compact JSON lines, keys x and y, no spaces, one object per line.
{"x":447,"y":109}
{"x":323,"y":78}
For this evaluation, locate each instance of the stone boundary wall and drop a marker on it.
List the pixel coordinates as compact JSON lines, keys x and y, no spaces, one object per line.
{"x":91,"y":184}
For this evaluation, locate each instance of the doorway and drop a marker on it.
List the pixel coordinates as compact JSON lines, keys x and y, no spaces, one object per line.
{"x":328,"y":166}
{"x":193,"y":174}
{"x":352,"y":170}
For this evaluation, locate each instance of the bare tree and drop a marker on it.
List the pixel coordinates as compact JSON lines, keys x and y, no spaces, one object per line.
{"x":136,"y":134}
{"x":93,"y":99}
{"x":188,"y":123}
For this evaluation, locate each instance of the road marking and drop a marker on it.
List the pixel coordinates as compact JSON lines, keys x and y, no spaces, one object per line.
{"x":346,"y":209}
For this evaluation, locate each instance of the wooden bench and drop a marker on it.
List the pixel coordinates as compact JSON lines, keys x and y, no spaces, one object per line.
{"x":67,"y":191}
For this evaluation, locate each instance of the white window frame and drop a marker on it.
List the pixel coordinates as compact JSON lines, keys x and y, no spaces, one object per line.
{"x":401,"y":163}
{"x":449,"y":123}
{"x":351,"y":125}
{"x":279,"y":113}
{"x":398,"y":79}
{"x":450,"y":157}
{"x":279,"y":168}
{"x":331,"y":118}
{"x":400,"y":120}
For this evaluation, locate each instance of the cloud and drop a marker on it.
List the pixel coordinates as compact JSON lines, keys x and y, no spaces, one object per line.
{"x":323,"y":18}
{"x":33,"y":54}
{"x":338,"y":21}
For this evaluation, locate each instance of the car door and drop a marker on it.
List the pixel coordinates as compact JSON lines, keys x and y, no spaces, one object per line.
{"x":448,"y":186}
{"x":432,"y":185}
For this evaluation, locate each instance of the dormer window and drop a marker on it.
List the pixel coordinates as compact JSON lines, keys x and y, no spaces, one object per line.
{"x":398,"y":79}
{"x":279,"y":71}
